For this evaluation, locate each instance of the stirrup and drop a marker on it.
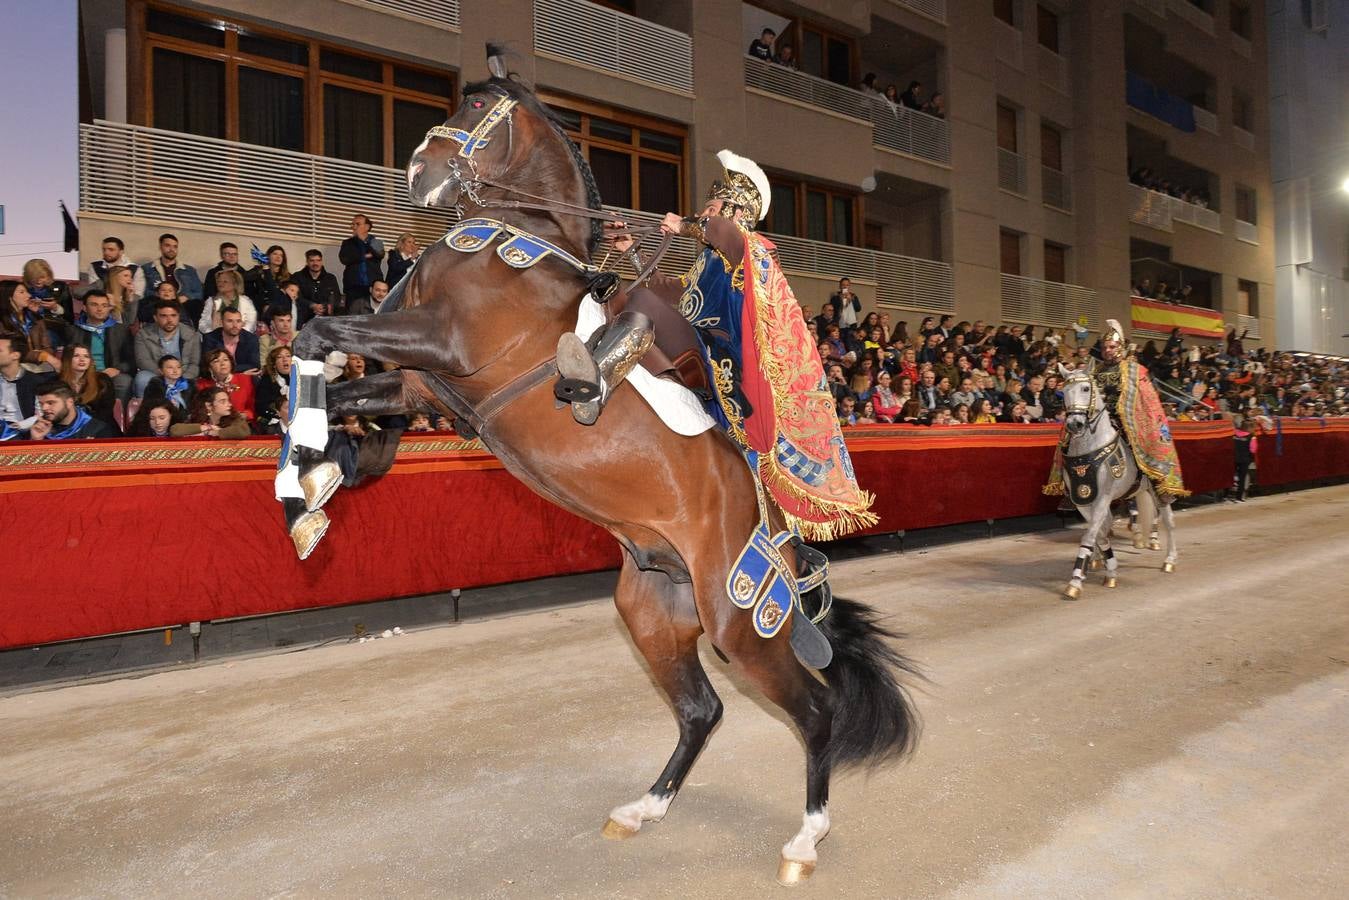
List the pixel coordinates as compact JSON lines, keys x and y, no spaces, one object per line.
{"x":586,"y":379}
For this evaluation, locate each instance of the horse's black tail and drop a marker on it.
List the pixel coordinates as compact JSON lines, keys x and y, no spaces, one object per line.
{"x":874,"y":717}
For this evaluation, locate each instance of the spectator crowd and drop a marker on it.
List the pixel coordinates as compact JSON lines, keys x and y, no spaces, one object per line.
{"x":1144,"y":177}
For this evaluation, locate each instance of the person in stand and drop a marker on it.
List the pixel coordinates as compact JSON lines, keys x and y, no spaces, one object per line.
{"x":751,"y":333}
{"x":281,"y":334}
{"x":114,"y":254}
{"x":20,"y":314}
{"x":229,"y":295}
{"x":155,"y":420}
{"x":171,"y":386}
{"x":264,"y":281}
{"x":320,"y":294}
{"x":220,"y":366}
{"x":848,"y":304}
{"x":120,"y":288}
{"x":229,"y":262}
{"x":361,"y":254}
{"x":404,"y":255}
{"x":52,"y":296}
{"x":167,"y":268}
{"x":785,"y":57}
{"x":762,"y":46}
{"x":165,"y":336}
{"x":244,"y":348}
{"x":214,"y":416}
{"x":109,"y":342}
{"x":913,"y":96}
{"x":61,"y":418}
{"x":92,"y":389}
{"x":18,"y":386}
{"x":272,"y":391}
{"x":884,"y":402}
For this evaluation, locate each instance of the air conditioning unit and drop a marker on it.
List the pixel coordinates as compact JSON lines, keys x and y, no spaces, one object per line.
{"x":1318,"y":15}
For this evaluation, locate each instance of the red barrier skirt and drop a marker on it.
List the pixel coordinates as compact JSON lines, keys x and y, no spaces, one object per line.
{"x":1302,"y":450}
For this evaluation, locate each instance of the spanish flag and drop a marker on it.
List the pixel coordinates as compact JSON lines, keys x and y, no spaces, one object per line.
{"x":1191,"y":320}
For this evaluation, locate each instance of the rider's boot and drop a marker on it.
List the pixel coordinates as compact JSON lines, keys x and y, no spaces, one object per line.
{"x":589,"y":372}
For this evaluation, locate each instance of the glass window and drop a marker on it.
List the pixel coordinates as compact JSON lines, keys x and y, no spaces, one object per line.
{"x":168,"y":24}
{"x":812,"y":53}
{"x":840,"y":223}
{"x":279,"y":49}
{"x":341,"y":63}
{"x":1047,"y":27}
{"x":273,"y":113}
{"x":658,"y":183}
{"x":570,"y":118}
{"x":1009,"y":247}
{"x":425,"y":82}
{"x":353,"y":125}
{"x":1051,"y":148}
{"x":1005,"y":10}
{"x":411,"y":121}
{"x":1056,"y":263}
{"x":189,"y":93}
{"x":1007,"y":128}
{"x":817,"y":216}
{"x":663,"y":143}
{"x":840,"y":61}
{"x":610,"y":131}
{"x":782,"y":210}
{"x":613,"y":174}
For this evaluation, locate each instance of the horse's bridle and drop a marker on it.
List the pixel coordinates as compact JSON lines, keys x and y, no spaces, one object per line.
{"x":1092,"y":419}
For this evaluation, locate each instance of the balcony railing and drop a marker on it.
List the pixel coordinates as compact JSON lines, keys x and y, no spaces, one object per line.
{"x":1241,"y":45}
{"x":935,"y":9}
{"x":786,"y":82}
{"x":1039,"y":302}
{"x":184,"y":179}
{"x":613,"y":41}
{"x":905,"y":282}
{"x":444,"y":13}
{"x":1011,"y":171}
{"x":1053,"y":70}
{"x":1243,"y":138}
{"x":909,"y":131}
{"x":1206,"y":120}
{"x":1247,"y":231}
{"x":1007,"y":43}
{"x":1250,"y":325}
{"x":1160,"y":211}
{"x":1055,"y":188}
{"x":1184,"y":9}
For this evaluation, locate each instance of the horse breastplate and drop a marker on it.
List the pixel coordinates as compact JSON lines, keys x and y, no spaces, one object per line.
{"x":1081,"y":470}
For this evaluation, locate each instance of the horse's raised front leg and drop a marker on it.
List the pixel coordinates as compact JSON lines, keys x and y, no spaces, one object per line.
{"x":663,"y":622}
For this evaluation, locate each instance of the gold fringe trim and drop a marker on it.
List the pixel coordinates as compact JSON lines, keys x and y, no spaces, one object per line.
{"x":1053,"y":489}
{"x":842,"y":517}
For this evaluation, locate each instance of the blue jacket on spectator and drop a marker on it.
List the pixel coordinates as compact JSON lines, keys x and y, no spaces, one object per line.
{"x":188,"y":283}
{"x":247,"y":355}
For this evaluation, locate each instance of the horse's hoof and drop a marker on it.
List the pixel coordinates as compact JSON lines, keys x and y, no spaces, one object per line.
{"x":1154,"y":544}
{"x":1072,"y":592}
{"x":1168,"y":567}
{"x":616,"y":831}
{"x":1110,"y":581}
{"x":1140,"y":542}
{"x":307,"y":531}
{"x":319,"y":484}
{"x":1093,"y":565}
{"x":792,"y":872}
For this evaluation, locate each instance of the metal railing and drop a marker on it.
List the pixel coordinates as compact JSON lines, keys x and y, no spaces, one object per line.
{"x":1243,"y":138}
{"x":1184,"y":9}
{"x":819,"y":92}
{"x":1241,"y":45}
{"x":1247,"y":231}
{"x":444,"y":13}
{"x":1011,"y":171}
{"x":935,"y":9}
{"x":1007,"y":43}
{"x":615,"y":42}
{"x":1250,"y":325}
{"x":1204,"y":119}
{"x":128,"y":170}
{"x":1040,"y":302}
{"x":1056,"y":189}
{"x":1158,"y":210}
{"x":909,"y":131}
{"x":1053,"y":70}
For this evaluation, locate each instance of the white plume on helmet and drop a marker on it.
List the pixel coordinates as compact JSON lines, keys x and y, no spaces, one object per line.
{"x":750,"y":169}
{"x":1113,"y":331}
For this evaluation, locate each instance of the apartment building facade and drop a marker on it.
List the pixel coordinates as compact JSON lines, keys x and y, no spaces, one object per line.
{"x":254,"y":120}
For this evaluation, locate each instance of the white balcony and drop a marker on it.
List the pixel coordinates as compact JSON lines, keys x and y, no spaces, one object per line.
{"x":1184,"y":9}
{"x":1205,"y":120}
{"x":933,"y":9}
{"x":1161,"y":211}
{"x":1011,"y":171}
{"x":1053,"y":70}
{"x":1241,"y":46}
{"x":1243,"y":138}
{"x":441,"y":13}
{"x":903,"y":282}
{"x":598,"y":37}
{"x":818,"y":92}
{"x":182,"y":179}
{"x":909,"y":131}
{"x":1056,"y":189}
{"x":1035,"y":301}
{"x":1007,"y":43}
{"x":1247,"y":231}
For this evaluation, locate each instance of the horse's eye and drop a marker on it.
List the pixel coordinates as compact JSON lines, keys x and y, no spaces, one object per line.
{"x":478,"y":104}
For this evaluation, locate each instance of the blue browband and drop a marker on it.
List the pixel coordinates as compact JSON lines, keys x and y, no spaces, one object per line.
{"x":519,"y":249}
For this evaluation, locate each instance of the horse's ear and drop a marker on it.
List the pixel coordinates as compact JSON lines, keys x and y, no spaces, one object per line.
{"x":496,"y":61}
{"x":1063,"y":370}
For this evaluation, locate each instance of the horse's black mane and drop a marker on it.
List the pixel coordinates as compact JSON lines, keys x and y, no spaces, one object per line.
{"x":527,"y":98}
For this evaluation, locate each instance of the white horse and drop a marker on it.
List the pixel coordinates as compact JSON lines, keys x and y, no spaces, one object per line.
{"x":1098,"y":469}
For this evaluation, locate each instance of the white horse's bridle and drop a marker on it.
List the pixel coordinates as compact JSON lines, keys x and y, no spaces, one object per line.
{"x":1090,"y":411}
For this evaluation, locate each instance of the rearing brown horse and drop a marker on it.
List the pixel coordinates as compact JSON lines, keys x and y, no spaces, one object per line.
{"x":470,"y":331}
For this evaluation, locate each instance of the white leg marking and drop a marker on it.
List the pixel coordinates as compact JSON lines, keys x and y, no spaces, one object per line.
{"x":814,"y":827}
{"x":648,"y":809}
{"x":1169,"y":523}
